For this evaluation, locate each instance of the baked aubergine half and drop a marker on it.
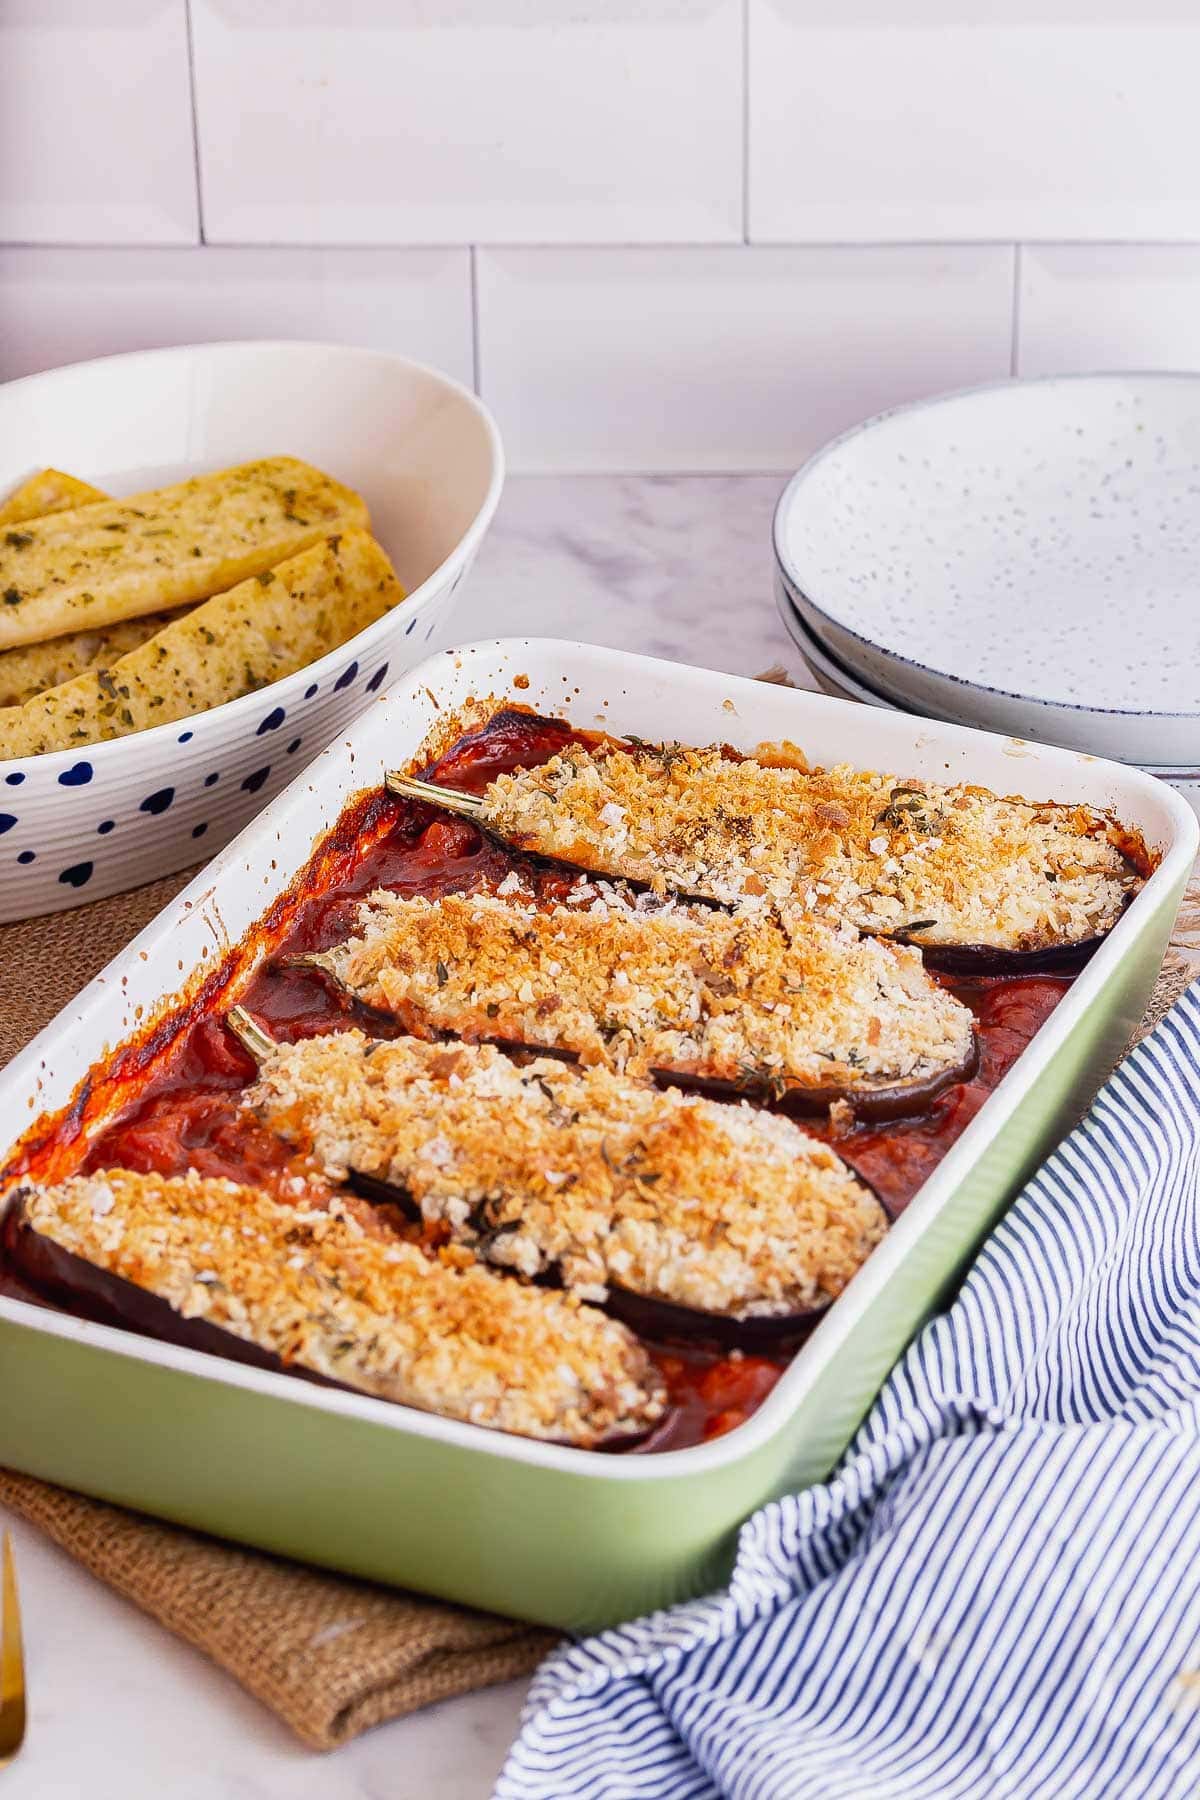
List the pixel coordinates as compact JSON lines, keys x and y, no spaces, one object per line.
{"x":723,"y":1222}
{"x":314,"y":1290}
{"x":982,"y":883}
{"x":797,"y":1010}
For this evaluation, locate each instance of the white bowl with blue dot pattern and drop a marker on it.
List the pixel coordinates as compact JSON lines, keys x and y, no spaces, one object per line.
{"x":80,"y":824}
{"x":1023,"y":557}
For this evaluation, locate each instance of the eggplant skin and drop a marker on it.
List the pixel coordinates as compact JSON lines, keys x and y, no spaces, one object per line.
{"x":768,"y":1005}
{"x":652,"y":1319}
{"x":665,"y":1322}
{"x":987,"y":959}
{"x":80,"y":1288}
{"x":895,"y":1100}
{"x":384,"y":1193}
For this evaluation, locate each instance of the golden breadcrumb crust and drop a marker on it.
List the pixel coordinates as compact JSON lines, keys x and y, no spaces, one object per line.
{"x":792,"y":1004}
{"x":582,"y":1172}
{"x":940,"y":865}
{"x":309,"y":1284}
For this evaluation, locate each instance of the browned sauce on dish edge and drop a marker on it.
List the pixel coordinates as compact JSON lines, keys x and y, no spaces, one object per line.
{"x":174,"y":1099}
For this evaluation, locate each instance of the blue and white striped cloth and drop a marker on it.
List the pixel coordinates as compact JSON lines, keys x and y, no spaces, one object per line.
{"x":999,"y":1593}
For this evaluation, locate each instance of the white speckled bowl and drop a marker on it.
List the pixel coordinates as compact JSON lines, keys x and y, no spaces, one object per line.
{"x":426,"y":455}
{"x":830,"y":676}
{"x":1023,"y":557}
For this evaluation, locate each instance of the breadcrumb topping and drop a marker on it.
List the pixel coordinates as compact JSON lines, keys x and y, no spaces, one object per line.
{"x":310,"y":1284}
{"x":582,"y":1173}
{"x":938,"y":865}
{"x":748,"y":1000}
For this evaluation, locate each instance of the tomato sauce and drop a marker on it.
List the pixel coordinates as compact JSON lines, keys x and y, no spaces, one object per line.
{"x":185,"y":1085}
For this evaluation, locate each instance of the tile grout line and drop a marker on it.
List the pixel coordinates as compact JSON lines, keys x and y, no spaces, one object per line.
{"x":1014,"y":352}
{"x":673,"y":245}
{"x":474,"y":281}
{"x":745,"y":121}
{"x":191,"y":60}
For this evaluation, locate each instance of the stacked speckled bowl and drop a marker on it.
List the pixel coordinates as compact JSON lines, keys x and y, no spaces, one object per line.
{"x":1023,"y":557}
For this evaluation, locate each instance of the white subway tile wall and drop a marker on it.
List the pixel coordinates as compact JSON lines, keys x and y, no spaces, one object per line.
{"x":62,"y":305}
{"x":1007,"y":118}
{"x":397,"y":122}
{"x":96,"y":142}
{"x":735,"y":358}
{"x":693,"y":234}
{"x":1109,"y":306}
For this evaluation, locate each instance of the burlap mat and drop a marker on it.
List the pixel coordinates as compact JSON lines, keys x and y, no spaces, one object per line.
{"x":44,"y":962}
{"x":331,"y":1656}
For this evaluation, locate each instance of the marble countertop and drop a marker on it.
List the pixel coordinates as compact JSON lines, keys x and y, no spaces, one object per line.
{"x":672,"y":566}
{"x":677,"y":566}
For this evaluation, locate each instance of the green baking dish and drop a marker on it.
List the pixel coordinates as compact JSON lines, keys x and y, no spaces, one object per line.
{"x":553,"y":1534}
